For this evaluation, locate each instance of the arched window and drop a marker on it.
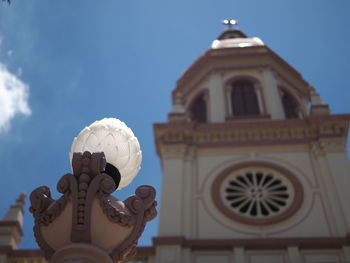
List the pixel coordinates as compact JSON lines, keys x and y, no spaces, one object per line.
{"x":290,"y":106}
{"x":198,"y":109}
{"x":244,"y":99}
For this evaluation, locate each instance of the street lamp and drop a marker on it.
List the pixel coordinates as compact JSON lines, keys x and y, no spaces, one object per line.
{"x":87,"y":224}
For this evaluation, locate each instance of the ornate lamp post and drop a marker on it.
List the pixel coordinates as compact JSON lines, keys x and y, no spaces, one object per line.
{"x":87,"y":224}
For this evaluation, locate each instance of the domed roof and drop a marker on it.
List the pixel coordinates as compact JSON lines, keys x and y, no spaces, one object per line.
{"x":235,"y":38}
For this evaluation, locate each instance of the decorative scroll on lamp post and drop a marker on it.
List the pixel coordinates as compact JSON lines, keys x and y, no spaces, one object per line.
{"x":87,"y":224}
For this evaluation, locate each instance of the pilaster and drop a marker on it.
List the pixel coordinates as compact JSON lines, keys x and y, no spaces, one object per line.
{"x":189,"y":191}
{"x":216,"y":98}
{"x":171,"y":217}
{"x":346,"y":250}
{"x":294,"y":255}
{"x":168,"y":254}
{"x":271,"y":97}
{"x":238,"y":255}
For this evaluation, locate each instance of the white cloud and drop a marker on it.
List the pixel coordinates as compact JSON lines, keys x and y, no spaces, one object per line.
{"x":13,"y":97}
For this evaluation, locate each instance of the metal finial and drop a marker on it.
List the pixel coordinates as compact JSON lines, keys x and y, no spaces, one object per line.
{"x":229,"y":22}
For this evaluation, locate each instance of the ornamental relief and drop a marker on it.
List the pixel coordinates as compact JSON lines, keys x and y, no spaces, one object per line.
{"x":320,"y":148}
{"x":178,"y":152}
{"x":260,"y":133}
{"x":257,"y":193}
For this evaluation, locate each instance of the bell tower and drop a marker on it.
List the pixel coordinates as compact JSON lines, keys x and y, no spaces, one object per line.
{"x":254,"y":164}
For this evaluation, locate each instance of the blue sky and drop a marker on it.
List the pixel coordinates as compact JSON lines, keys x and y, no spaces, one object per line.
{"x":73,"y":62}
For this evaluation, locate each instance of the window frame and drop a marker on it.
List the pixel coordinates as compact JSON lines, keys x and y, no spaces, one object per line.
{"x":299,"y":108}
{"x":205,"y":94}
{"x":228,"y":88}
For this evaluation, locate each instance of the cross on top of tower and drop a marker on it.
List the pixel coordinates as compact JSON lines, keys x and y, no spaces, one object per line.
{"x":229,"y":22}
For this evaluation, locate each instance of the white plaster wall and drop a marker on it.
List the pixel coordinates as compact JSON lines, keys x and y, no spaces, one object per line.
{"x":312,"y":222}
{"x":218,"y":227}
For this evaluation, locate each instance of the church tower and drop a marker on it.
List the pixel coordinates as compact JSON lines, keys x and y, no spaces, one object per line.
{"x":254,"y":165}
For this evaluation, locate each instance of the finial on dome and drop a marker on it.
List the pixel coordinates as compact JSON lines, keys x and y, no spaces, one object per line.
{"x":231,"y":32}
{"x":229,"y":22}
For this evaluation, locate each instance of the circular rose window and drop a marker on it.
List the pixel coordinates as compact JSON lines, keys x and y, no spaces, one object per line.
{"x":257,"y":193}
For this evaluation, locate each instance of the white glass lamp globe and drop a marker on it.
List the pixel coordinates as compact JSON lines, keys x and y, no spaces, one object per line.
{"x":117,"y":141}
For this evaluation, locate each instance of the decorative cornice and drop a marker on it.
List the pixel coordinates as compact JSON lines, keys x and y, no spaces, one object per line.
{"x":320,"y":148}
{"x":249,"y":117}
{"x":178,"y":151}
{"x":254,"y":132}
{"x":254,"y":243}
{"x":14,"y":224}
{"x":212,"y":244}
